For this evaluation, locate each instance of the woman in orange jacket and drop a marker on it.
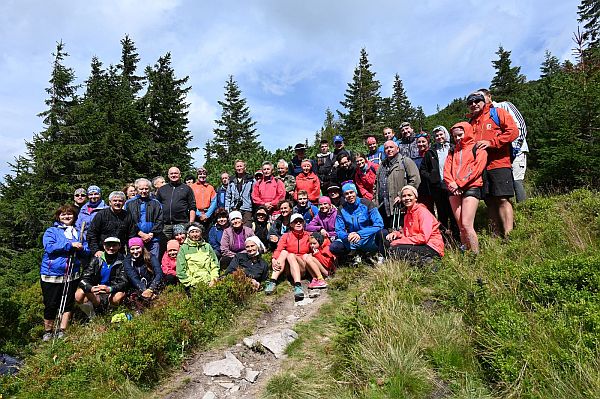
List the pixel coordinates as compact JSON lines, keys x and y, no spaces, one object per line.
{"x":420,"y":238}
{"x":308,"y":181}
{"x":463,"y":175}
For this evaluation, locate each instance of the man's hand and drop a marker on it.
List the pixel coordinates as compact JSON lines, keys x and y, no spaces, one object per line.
{"x":353,"y":237}
{"x":324,"y":233}
{"x":483,"y":144}
{"x":98,"y":254}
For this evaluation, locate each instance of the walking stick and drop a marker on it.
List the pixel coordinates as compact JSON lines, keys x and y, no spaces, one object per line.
{"x":66,"y":285}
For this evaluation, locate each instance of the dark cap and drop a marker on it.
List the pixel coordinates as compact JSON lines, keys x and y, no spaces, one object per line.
{"x":299,"y":146}
{"x":475,"y":97}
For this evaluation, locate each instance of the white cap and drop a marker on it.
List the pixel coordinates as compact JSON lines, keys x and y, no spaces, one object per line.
{"x":235,"y":215}
{"x":296,"y":216}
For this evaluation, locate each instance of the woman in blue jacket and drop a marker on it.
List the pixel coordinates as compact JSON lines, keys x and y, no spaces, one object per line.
{"x":60,"y":269}
{"x":143,"y":269}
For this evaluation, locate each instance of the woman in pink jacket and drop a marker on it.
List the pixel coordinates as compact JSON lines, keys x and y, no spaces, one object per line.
{"x":420,"y":238}
{"x":366,"y":173}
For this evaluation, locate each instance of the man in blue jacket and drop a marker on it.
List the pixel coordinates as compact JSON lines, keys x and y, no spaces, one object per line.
{"x":358,"y":227}
{"x":239,"y":193}
{"x":147,"y":215}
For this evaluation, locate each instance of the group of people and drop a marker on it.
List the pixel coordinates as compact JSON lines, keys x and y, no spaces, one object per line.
{"x":311,"y":214}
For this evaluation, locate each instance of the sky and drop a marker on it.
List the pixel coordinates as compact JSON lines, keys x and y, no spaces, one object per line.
{"x":291,"y":59}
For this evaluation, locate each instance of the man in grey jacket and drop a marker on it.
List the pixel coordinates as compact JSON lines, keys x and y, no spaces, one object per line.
{"x":239,"y":193}
{"x":395,"y":172}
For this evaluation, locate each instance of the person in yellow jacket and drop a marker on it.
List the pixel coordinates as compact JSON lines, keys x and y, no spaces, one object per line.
{"x":196,"y":260}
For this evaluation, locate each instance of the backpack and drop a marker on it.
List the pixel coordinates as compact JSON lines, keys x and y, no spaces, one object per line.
{"x":494,"y":116}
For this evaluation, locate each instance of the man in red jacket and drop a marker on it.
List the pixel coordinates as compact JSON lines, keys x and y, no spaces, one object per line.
{"x":495,"y":135}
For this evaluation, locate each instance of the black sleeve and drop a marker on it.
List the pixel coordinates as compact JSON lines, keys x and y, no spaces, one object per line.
{"x":158,"y":219}
{"x":233,"y":265}
{"x":191,"y":200}
{"x":94,"y":235}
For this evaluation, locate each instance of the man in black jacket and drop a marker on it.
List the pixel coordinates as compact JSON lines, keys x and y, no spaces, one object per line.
{"x":178,"y":203}
{"x":113,"y":221}
{"x":104,"y":279}
{"x":147,"y":215}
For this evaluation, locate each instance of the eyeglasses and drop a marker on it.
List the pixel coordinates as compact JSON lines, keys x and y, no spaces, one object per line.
{"x":471,"y":102}
{"x":80,"y":195}
{"x":202,"y":174}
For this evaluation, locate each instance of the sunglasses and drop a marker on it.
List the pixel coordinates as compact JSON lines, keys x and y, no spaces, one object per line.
{"x":297,"y":221}
{"x":80,"y":195}
{"x":264,"y":215}
{"x":474,"y":102}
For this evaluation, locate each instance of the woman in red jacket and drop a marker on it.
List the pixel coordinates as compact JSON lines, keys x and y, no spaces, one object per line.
{"x":420,"y":238}
{"x":308,"y":181}
{"x":463,"y":176}
{"x":364,"y":178}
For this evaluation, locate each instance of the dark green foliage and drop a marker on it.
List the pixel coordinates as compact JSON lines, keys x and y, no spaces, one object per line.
{"x":100,"y":356}
{"x":453,"y":113}
{"x":589,"y":14}
{"x":361,"y":102}
{"x":397,"y":108}
{"x":508,"y":79}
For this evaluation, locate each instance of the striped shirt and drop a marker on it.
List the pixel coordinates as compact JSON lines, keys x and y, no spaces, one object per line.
{"x":520,"y":142}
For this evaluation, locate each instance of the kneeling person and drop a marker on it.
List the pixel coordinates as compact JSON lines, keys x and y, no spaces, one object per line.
{"x":104,"y":280}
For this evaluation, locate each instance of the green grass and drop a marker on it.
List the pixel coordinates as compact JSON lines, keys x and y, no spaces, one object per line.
{"x":520,"y":320}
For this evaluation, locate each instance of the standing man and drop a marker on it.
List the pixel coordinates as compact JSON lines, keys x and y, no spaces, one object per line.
{"x":388,"y":134}
{"x":289,"y":181}
{"x":519,"y":145}
{"x":222,"y":191}
{"x":147,"y":215}
{"x":113,"y":221}
{"x":395,"y":172}
{"x":340,"y":148}
{"x":205,"y":197}
{"x":269,"y":190}
{"x":295,"y":166}
{"x":239,"y":193}
{"x":79,"y":200}
{"x":495,"y":139}
{"x":178,"y":203}
{"x":408,"y":142}
{"x":325,"y":161}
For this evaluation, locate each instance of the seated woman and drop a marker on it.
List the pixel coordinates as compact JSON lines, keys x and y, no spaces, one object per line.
{"x":60,"y":271}
{"x":324,"y":220}
{"x":234,"y":238}
{"x":196,"y":260}
{"x":169,"y":262}
{"x":281,"y":224}
{"x":421,"y":237}
{"x":251,"y":262}
{"x":143,"y":269}
{"x":215,"y":234}
{"x":289,"y":257}
{"x":104,"y":279}
{"x":463,"y":173}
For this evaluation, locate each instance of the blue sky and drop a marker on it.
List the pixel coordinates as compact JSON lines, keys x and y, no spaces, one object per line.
{"x":291,"y":59}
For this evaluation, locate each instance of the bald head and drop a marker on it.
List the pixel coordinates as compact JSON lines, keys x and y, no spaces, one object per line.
{"x":390,"y":148}
{"x":174,"y":174}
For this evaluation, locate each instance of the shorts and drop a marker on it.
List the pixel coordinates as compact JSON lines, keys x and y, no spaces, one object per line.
{"x":52,"y":296}
{"x":472,"y":192}
{"x":519,"y":166}
{"x":498,"y":183}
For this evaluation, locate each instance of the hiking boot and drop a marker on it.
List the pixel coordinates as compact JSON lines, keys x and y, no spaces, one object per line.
{"x":356,"y":261}
{"x":317,"y":284}
{"x":298,"y":293}
{"x":47,"y":336}
{"x":270,"y":287}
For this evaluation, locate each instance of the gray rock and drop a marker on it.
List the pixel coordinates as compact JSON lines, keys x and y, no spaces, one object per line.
{"x":234,"y":388}
{"x":314,"y":294}
{"x":291,"y":318}
{"x":227,"y":385}
{"x":209,"y":395}
{"x":250,"y":341}
{"x":278,"y":341}
{"x":230,"y":366}
{"x":304,"y":302}
{"x":251,"y":375}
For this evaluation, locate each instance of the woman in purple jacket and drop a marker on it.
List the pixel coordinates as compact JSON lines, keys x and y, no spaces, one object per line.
{"x":234,"y":239}
{"x":324,"y":221}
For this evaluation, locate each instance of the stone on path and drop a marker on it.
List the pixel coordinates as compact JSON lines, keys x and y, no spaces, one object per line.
{"x":230,"y":367}
{"x":251,"y":375}
{"x":278,"y":341}
{"x":304,"y":302}
{"x":209,"y":395}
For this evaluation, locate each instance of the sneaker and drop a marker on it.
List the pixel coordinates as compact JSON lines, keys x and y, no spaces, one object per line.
{"x":357,"y":260}
{"x":317,"y":284}
{"x":47,"y":336}
{"x":380,"y":260}
{"x":270,"y":287}
{"x":298,"y":293}
{"x":60,"y":334}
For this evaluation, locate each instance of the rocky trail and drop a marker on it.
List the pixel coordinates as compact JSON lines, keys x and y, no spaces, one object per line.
{"x":243,"y":370}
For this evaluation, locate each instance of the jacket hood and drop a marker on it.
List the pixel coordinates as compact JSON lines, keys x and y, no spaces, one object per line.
{"x":468,"y":137}
{"x":443,"y":129}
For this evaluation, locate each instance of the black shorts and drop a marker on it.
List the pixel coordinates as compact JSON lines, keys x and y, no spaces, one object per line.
{"x":498,"y":183}
{"x":472,"y":192}
{"x":52,"y":295}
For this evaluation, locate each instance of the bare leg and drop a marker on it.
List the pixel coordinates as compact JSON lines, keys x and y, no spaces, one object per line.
{"x":64,"y":321}
{"x":282,"y":261}
{"x":469,"y":209}
{"x":313,"y":266}
{"x":116,"y":298}
{"x":505,"y":211}
{"x":493,"y":215}
{"x":297,"y":267}
{"x":456,"y":205}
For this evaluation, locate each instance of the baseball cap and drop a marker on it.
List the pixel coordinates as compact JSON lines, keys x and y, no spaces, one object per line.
{"x":338,"y":138}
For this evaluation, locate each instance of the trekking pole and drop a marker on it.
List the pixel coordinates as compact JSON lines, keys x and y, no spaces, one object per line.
{"x":66,"y":285}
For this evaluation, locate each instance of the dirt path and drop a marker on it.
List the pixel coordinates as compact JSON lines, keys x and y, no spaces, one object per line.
{"x":283,"y":313}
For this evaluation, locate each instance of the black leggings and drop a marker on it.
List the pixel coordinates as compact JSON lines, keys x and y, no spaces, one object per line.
{"x":52,"y":295}
{"x":412,"y":253}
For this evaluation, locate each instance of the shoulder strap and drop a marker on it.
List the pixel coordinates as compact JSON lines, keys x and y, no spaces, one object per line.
{"x":474,"y":152}
{"x":494,"y":115}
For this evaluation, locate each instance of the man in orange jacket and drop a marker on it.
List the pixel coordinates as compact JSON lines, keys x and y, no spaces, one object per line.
{"x":494,"y":134}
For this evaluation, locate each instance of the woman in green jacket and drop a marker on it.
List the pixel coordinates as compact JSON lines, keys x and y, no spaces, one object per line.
{"x":196,"y":260}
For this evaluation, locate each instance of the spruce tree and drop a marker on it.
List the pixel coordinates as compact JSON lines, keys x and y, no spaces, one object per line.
{"x":235,"y":134}
{"x":589,"y":14}
{"x":166,"y":112}
{"x":331,"y":127}
{"x":507,"y":80}
{"x":128,"y":65}
{"x":361,"y":101}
